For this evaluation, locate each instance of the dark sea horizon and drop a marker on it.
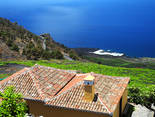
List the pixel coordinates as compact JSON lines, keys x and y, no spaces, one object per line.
{"x":126,"y":26}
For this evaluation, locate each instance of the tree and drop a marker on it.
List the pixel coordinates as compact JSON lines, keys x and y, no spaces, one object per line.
{"x":73,"y":55}
{"x":9,"y":42}
{"x":12,"y":104}
{"x":56,"y":54}
{"x":14,"y":47}
{"x":145,"y":98}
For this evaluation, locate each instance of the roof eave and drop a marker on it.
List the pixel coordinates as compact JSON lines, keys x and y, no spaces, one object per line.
{"x":82,"y":110}
{"x":31,"y":99}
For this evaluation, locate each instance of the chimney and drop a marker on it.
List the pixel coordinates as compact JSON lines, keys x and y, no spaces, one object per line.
{"x":89,"y":89}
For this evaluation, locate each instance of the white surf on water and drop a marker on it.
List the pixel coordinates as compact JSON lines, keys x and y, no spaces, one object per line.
{"x":102,"y":52}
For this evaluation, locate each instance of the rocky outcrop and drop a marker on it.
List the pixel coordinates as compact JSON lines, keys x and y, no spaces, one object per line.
{"x":7,"y":54}
{"x":46,"y":37}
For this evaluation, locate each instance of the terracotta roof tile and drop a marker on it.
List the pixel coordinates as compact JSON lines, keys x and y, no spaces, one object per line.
{"x":23,"y":84}
{"x":63,"y":88}
{"x":73,"y":98}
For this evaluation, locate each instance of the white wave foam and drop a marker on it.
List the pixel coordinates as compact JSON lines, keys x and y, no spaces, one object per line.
{"x":102,"y":52}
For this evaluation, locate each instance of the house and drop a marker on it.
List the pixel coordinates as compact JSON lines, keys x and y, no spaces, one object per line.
{"x":51,"y":92}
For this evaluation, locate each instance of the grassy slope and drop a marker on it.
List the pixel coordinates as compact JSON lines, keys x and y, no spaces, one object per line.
{"x":2,"y":76}
{"x":2,"y":63}
{"x":120,"y":62}
{"x":142,"y":78}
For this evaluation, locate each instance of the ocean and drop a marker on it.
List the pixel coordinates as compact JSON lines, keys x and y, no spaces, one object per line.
{"x":126,"y":26}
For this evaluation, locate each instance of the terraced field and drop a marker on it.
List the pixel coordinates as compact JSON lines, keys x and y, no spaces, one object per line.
{"x":3,"y":76}
{"x":143,"y":79}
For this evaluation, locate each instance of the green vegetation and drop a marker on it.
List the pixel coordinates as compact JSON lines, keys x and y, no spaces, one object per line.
{"x":2,"y":63}
{"x":12,"y":104}
{"x":146,"y":98}
{"x":73,"y":55}
{"x":118,"y":62}
{"x":33,"y":52}
{"x":3,"y":76}
{"x":12,"y":45}
{"x":56,"y":54}
{"x":142,"y":80}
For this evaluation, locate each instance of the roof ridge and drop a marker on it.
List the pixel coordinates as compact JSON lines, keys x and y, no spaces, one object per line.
{"x":112,"y":77}
{"x":70,"y":71}
{"x":65,"y":84}
{"x":34,"y":79}
{"x":77,"y":84}
{"x":104,"y":105}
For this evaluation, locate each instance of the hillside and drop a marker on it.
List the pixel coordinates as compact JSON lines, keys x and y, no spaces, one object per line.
{"x":17,"y":43}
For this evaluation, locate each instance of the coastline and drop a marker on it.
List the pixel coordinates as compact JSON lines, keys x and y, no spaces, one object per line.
{"x":106,"y":53}
{"x":118,"y":60}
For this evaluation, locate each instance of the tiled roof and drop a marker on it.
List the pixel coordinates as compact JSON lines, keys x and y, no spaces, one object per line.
{"x":110,"y":89}
{"x":50,"y":81}
{"x":64,"y":89}
{"x":38,"y":82}
{"x":73,"y":99}
{"x":23,"y":83}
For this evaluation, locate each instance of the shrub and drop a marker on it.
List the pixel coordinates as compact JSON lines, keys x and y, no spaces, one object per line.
{"x":73,"y":55}
{"x":56,"y":54}
{"x":12,"y":104}
{"x":135,"y":95}
{"x":32,"y":52}
{"x":46,"y":55}
{"x":145,"y":98}
{"x":9,"y":42}
{"x":14,"y":47}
